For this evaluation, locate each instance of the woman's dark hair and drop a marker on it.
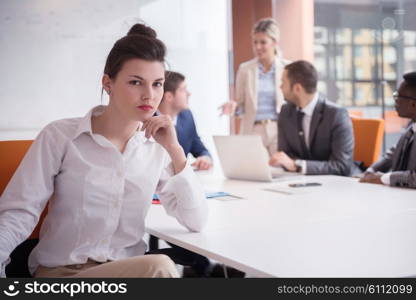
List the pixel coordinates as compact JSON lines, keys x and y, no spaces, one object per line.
{"x":143,"y":30}
{"x":140,"y":42}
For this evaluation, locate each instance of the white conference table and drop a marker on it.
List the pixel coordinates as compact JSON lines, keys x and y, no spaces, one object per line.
{"x":340,"y":229}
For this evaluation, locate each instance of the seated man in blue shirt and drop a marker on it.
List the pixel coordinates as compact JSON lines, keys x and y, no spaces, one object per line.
{"x":175,"y":104}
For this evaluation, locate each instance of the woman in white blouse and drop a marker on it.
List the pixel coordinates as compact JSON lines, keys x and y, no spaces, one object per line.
{"x":103,"y":170}
{"x":258,"y":97}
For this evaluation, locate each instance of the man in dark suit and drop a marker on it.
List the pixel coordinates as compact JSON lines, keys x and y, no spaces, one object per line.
{"x":398,"y":165}
{"x":175,"y":104}
{"x":315,"y":136}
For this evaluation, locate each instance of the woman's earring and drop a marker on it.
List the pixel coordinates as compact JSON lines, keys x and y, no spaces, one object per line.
{"x":109,"y":92}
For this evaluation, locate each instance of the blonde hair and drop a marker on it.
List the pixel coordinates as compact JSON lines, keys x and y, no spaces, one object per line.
{"x":270,"y":27}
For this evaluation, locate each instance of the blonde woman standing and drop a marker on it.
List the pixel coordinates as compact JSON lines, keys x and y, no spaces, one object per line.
{"x":258,"y":97}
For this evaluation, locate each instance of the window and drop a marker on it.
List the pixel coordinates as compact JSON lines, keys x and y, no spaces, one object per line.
{"x":362,"y":48}
{"x":360,"y":52}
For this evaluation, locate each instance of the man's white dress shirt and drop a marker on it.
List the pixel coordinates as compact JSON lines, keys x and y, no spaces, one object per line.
{"x":306,"y":125}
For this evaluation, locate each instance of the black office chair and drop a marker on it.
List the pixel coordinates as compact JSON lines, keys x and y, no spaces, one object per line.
{"x":18,"y":266}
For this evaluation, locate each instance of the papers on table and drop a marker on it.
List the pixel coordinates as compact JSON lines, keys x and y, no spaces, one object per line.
{"x":209,"y":195}
{"x":222,"y":196}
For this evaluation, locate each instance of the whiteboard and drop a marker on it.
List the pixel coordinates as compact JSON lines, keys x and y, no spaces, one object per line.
{"x":54,"y":51}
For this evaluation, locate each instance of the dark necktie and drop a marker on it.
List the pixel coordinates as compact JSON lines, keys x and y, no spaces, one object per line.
{"x":299,"y":116}
{"x":405,"y":151}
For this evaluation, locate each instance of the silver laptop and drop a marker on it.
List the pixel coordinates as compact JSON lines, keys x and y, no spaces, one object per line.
{"x":244,"y":157}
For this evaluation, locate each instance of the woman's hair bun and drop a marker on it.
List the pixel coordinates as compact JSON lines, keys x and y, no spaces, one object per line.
{"x":142,"y":29}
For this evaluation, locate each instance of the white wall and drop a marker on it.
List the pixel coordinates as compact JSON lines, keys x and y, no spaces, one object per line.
{"x":53,"y":53}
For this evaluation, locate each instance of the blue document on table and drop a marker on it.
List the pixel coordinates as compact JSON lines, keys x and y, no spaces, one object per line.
{"x":216,"y":194}
{"x":208,"y":195}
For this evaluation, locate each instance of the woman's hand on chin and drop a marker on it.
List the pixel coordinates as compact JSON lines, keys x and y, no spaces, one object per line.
{"x":161,"y":128}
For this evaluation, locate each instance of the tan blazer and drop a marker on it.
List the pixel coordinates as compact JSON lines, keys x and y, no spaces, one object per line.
{"x":246,"y":91}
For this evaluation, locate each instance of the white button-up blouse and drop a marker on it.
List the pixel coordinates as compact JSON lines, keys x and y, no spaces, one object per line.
{"x":101,"y":196}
